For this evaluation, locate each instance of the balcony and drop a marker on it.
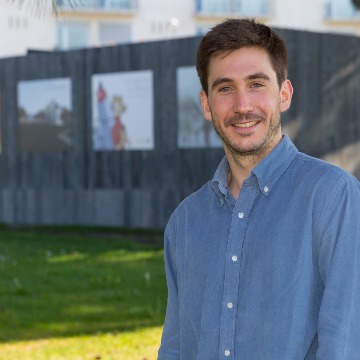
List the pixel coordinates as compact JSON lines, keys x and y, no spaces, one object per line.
{"x":233,"y":7}
{"x":341,"y":10}
{"x":97,"y":5}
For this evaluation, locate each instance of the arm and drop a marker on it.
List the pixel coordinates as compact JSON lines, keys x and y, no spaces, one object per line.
{"x":339,"y":264}
{"x":170,"y":344}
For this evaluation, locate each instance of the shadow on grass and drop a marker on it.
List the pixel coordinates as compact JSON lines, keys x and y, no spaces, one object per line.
{"x":70,"y":284}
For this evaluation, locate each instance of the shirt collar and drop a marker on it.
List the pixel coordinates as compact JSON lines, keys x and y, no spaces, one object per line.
{"x":220,"y":177}
{"x":267,"y":172}
{"x":270,"y":169}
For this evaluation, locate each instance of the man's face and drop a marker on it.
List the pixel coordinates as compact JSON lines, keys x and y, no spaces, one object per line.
{"x":244,"y":101}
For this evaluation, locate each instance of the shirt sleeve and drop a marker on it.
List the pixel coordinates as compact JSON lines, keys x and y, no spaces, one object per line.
{"x":339,"y":266}
{"x":170,"y":348}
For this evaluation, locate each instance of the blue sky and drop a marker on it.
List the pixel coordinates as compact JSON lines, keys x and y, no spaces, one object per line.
{"x":34,"y":95}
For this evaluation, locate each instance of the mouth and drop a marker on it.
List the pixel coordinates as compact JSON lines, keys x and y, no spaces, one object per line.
{"x":244,"y":121}
{"x":245,"y":125}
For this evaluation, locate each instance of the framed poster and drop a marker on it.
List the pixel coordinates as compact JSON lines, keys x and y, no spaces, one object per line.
{"x":44,"y":114}
{"x":122,"y":111}
{"x":193,"y":130}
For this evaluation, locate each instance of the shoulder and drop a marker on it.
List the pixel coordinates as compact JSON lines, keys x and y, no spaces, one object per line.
{"x":193,"y":201}
{"x":322,"y":186}
{"x":329,"y":190}
{"x":316,"y":171}
{"x":192,"y":205}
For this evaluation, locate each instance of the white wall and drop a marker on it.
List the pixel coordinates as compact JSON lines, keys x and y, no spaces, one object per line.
{"x":303,"y":15}
{"x":23,"y":29}
{"x":163,"y":19}
{"x":311,"y":15}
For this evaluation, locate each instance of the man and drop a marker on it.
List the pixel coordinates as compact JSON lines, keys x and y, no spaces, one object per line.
{"x":263,"y":262}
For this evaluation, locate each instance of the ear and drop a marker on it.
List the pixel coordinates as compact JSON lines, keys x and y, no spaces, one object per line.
{"x":286,"y":93}
{"x":205,"y":105}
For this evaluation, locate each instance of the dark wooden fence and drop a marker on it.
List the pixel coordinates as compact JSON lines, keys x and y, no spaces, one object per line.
{"x":141,"y":188}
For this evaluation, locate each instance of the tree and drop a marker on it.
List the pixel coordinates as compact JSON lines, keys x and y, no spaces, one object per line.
{"x":356,"y":4}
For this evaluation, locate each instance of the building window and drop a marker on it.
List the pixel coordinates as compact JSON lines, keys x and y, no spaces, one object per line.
{"x":202,"y":29}
{"x":341,"y":10}
{"x":72,"y":36}
{"x":110,"y":34}
{"x":243,"y":7}
{"x":18,"y":22}
{"x":224,"y":6}
{"x":117,"y":5}
{"x":11,"y":22}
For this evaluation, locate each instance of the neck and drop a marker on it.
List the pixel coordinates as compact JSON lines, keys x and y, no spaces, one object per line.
{"x":241,"y":166}
{"x":240,"y":170}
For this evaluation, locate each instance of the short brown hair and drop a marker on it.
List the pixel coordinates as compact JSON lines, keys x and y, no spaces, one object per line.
{"x":233,"y":34}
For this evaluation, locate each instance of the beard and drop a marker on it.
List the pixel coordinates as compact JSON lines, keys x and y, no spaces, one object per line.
{"x":243,"y":147}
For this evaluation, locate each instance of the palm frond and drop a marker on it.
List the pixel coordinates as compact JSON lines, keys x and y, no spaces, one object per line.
{"x":356,"y":3}
{"x":39,"y":7}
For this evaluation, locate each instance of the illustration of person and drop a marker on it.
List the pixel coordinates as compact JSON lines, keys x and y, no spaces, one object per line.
{"x":102,"y":131}
{"x":118,"y":130}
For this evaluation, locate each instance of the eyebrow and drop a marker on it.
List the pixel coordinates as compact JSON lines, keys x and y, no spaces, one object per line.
{"x":220,"y":81}
{"x":254,"y":76}
{"x":258,"y":76}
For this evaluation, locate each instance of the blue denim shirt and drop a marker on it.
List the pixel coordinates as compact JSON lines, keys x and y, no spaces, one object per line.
{"x":274,"y":275}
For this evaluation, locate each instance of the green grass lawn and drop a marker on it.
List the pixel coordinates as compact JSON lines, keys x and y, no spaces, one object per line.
{"x":71,"y":295}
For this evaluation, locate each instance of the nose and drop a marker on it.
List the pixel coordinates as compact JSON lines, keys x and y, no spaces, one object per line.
{"x":242,"y":103}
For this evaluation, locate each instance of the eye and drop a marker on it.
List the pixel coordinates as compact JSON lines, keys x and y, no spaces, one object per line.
{"x":224,"y":89}
{"x":256,"y":85}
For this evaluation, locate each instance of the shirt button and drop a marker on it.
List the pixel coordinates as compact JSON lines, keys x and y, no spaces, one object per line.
{"x":229,"y":305}
{"x":241,"y":215}
{"x":266,"y":189}
{"x":234,"y":258}
{"x":227,"y":353}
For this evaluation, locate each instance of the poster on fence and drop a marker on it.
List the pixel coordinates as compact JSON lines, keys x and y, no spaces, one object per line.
{"x":193,"y":130}
{"x":44,"y":114}
{"x":122,"y":111}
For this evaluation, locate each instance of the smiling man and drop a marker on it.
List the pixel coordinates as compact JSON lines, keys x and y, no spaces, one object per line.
{"x":263,"y":262}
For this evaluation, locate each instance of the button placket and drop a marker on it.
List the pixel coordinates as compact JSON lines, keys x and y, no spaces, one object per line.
{"x":232,"y":269}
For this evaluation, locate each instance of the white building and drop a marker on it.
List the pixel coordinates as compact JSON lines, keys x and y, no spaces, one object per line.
{"x":88,"y":23}
{"x":25,"y":28}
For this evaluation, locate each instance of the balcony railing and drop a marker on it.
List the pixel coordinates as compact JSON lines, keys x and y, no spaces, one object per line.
{"x":239,"y":7}
{"x":341,"y":10}
{"x":106,"y":5}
